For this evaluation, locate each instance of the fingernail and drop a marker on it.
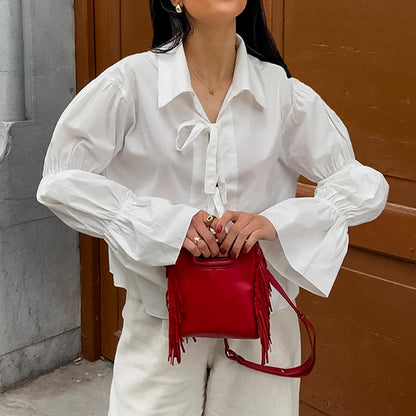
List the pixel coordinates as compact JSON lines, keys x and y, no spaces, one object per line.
{"x":223,"y":250}
{"x":233,"y":255}
{"x":244,"y":250}
{"x":218,"y":229}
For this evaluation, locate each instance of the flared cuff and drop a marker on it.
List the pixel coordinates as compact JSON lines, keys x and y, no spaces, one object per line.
{"x":312,"y":242}
{"x":148,"y":230}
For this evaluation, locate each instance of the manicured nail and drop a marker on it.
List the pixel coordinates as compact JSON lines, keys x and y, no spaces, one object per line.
{"x":218,"y":229}
{"x":233,"y":255}
{"x":244,"y":250}
{"x":223,"y":250}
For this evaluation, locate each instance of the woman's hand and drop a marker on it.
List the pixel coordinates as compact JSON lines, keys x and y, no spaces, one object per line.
{"x":199,"y":238}
{"x":246,"y":230}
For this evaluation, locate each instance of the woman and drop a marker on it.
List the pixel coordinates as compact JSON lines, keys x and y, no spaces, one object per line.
{"x":198,"y":126}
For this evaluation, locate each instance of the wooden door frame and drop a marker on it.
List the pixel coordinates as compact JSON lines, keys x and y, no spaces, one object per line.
{"x":88,"y":246}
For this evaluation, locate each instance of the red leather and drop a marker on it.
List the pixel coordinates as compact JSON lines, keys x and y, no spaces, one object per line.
{"x":209,"y":286}
{"x":219,"y":298}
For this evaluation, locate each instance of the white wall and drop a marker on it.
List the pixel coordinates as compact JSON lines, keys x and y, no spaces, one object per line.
{"x":39,"y":260}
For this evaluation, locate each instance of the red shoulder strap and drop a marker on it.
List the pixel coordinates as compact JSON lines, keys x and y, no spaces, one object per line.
{"x":299,"y":371}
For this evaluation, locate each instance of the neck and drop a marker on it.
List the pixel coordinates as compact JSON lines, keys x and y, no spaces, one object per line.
{"x":211,"y":53}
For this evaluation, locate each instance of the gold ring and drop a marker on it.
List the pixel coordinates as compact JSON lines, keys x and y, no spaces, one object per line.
{"x":197,"y":239}
{"x":210,"y":219}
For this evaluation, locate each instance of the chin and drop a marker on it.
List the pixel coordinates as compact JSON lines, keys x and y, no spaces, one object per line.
{"x":218,"y":10}
{"x":231,"y":7}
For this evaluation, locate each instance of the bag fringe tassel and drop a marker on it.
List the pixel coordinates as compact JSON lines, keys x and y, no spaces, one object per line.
{"x":262,"y":304}
{"x":174,"y":303}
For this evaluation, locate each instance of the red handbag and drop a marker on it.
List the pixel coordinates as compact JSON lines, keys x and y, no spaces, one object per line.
{"x":227,"y":298}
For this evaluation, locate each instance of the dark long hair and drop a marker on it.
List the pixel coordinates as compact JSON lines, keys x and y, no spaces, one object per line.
{"x":172,"y":27}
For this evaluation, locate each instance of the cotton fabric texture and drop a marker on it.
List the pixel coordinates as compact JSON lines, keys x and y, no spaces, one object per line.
{"x":145,"y":384}
{"x":134,"y":157}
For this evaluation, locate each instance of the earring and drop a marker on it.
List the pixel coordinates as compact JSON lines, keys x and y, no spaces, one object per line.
{"x":178,"y":8}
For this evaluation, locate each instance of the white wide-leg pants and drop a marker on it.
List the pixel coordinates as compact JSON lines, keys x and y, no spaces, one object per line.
{"x":206,"y":382}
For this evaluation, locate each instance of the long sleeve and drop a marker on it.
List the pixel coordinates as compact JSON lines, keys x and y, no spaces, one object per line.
{"x":313,"y":232}
{"x":89,"y":134}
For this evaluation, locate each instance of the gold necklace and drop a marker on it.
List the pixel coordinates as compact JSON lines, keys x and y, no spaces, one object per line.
{"x":211,"y":90}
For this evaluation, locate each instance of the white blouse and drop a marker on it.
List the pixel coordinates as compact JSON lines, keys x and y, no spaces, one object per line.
{"x":134,"y":157}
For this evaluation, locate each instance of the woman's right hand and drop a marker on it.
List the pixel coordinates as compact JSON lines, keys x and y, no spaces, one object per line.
{"x":207,"y":246}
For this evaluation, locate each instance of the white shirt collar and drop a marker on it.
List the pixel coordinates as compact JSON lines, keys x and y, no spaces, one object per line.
{"x":174,"y":78}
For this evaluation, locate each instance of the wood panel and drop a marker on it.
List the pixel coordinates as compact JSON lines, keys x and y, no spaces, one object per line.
{"x":274,"y":16}
{"x":268,"y":8}
{"x":90,"y":298}
{"x":107,"y":14}
{"x":136,"y":27}
{"x":277,"y":24}
{"x":84,"y":42}
{"x":357,"y":57}
{"x":366,"y":340}
{"x":307,"y":409}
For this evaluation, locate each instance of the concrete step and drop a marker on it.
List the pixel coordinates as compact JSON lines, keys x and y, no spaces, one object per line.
{"x":78,"y":389}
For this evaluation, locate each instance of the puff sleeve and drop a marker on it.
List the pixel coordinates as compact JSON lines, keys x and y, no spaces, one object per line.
{"x":89,"y":134}
{"x":313,"y":232}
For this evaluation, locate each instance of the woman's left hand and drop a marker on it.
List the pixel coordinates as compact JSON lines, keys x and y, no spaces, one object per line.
{"x":245,"y":231}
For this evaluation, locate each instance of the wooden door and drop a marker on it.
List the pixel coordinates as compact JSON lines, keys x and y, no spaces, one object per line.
{"x":360,"y":59}
{"x":358,"y":56}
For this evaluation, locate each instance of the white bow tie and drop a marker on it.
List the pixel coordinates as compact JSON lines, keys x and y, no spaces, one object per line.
{"x":214,"y":181}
